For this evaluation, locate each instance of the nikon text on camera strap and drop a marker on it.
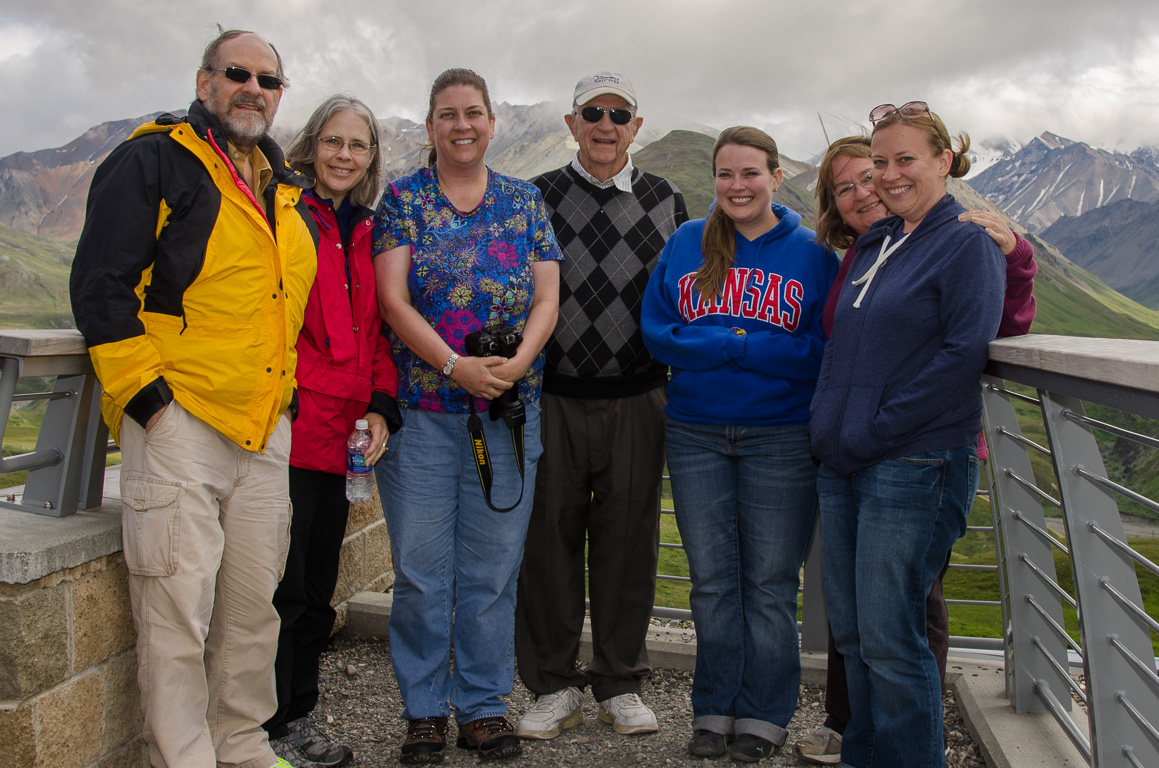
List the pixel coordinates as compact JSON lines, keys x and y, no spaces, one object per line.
{"x":483,"y":456}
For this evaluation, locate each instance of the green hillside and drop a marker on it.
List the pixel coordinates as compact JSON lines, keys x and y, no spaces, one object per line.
{"x":1073,"y":302}
{"x":685,"y":158}
{"x":34,"y":281}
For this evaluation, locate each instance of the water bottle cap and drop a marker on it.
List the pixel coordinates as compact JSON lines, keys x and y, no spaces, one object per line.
{"x":362,"y":424}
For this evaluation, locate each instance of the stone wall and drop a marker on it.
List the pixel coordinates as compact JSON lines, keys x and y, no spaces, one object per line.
{"x":365,"y":565}
{"x":68,"y":671}
{"x":68,"y":666}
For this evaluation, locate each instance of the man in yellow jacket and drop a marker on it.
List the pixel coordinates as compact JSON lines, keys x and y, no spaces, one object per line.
{"x":189,"y":284}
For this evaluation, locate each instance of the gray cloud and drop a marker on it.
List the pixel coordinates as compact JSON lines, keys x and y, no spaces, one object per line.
{"x":1086,"y":70}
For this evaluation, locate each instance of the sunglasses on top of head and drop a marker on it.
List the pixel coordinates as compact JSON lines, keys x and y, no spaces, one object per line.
{"x":239,"y":75}
{"x":596,"y":114}
{"x":909,"y":109}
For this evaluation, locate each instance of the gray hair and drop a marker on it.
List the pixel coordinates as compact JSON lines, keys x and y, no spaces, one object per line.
{"x":303,"y":150}
{"x":209,"y":56}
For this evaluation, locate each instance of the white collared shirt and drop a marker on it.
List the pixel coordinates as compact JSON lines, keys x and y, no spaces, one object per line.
{"x":621,"y":181}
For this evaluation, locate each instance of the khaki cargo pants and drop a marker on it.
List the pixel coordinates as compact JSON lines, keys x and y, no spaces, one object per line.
{"x":206,"y":528}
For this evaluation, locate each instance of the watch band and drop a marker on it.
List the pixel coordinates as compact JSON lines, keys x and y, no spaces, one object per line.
{"x":449,"y":366}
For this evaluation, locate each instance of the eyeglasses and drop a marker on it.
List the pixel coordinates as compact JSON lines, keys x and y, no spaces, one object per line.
{"x":239,"y":75}
{"x":335,"y":144}
{"x":596,"y":114}
{"x":845,"y":190}
{"x":909,"y":109}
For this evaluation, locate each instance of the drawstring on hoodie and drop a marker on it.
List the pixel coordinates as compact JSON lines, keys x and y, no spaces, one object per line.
{"x":882,"y":256}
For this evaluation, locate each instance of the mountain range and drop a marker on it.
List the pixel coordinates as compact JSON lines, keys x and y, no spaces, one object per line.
{"x":43,"y":192}
{"x":1051,"y":176}
{"x":1119,"y":243}
{"x":42,"y":197}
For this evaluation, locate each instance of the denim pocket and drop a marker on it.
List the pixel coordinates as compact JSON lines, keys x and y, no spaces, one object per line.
{"x":395,"y":443}
{"x":150,"y":524}
{"x":925,"y":471}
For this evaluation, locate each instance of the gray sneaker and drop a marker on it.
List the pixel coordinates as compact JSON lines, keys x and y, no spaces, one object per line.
{"x":289,"y":754}
{"x":821,"y":746}
{"x":317,"y":746}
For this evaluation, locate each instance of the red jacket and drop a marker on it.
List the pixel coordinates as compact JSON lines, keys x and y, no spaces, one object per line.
{"x":344,"y":360}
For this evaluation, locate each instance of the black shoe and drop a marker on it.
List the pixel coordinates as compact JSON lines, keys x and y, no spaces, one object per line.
{"x":706,"y":743}
{"x":425,"y":740}
{"x":749,"y":748}
{"x":492,"y":736}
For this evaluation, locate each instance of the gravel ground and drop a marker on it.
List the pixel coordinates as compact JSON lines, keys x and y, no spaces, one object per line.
{"x":360,"y":705}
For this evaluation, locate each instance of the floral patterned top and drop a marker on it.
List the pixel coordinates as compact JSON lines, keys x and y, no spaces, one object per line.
{"x":468,"y":271}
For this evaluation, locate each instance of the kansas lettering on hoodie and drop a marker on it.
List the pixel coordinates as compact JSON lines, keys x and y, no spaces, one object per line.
{"x":751,"y":355}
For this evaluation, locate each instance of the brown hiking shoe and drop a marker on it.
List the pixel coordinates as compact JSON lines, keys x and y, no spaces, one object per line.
{"x":424,"y":742}
{"x":492,"y":736}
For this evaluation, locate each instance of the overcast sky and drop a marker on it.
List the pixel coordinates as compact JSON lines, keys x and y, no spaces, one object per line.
{"x":1087,"y":70}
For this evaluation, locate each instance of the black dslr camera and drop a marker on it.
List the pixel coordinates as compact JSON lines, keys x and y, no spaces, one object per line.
{"x":500,"y":341}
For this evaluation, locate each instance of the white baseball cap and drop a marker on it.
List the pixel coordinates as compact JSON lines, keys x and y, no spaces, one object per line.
{"x":601,"y":83}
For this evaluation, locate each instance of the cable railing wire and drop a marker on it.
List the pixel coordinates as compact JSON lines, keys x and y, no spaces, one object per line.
{"x":1030,"y":486}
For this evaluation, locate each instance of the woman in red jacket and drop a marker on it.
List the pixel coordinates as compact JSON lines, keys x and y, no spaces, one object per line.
{"x":345,"y":373}
{"x":847,"y":206}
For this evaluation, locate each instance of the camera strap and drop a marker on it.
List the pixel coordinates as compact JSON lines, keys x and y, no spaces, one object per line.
{"x":483,"y":456}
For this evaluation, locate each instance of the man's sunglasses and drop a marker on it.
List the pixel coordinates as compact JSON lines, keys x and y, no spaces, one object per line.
{"x":596,"y":114}
{"x":239,"y":75}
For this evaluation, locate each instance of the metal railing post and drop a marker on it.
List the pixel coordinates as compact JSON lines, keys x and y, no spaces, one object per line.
{"x":1025,"y":559}
{"x":66,"y":471}
{"x":68,"y":426}
{"x":1122,"y":687}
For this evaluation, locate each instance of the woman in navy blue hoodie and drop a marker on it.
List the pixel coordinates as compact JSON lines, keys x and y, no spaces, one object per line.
{"x":895,"y":422}
{"x":734,"y":307}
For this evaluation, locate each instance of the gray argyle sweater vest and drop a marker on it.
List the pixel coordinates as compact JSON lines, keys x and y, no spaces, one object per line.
{"x":611,"y":241}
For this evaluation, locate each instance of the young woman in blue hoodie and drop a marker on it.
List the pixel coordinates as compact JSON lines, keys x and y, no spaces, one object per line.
{"x":734,"y":308}
{"x":895,"y":423}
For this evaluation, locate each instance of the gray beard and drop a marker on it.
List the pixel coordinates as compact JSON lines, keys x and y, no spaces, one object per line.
{"x":245,"y":133}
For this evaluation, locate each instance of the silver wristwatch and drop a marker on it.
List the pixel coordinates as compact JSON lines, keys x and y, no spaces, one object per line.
{"x":450,"y":365}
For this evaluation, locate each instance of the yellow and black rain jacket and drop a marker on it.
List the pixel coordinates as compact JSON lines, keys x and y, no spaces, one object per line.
{"x":188,"y":287}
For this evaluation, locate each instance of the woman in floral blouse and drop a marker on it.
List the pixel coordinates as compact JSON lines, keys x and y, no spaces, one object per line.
{"x":460,"y":248}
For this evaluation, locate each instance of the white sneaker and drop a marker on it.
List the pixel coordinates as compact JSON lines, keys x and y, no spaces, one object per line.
{"x":627,"y":714}
{"x":552,"y":713}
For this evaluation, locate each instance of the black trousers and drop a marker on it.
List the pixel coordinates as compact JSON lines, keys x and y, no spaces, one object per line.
{"x":599,"y":477}
{"x":303,"y":596}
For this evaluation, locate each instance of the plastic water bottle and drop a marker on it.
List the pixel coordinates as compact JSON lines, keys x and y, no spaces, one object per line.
{"x":358,"y":476}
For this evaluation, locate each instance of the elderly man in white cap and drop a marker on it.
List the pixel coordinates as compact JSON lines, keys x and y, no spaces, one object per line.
{"x":603,"y":428}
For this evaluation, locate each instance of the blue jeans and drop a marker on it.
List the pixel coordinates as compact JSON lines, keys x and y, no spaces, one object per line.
{"x":746,"y":502}
{"x":456,"y":561}
{"x":885,"y":535}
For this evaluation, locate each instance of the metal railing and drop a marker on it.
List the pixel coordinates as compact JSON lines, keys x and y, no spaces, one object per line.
{"x":1121,"y":696}
{"x":66,"y":470}
{"x":1060,"y":374}
{"x":1116,"y":657}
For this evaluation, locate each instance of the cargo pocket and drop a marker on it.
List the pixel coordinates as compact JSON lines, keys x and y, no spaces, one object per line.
{"x":284,"y":544}
{"x":150,"y":524}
